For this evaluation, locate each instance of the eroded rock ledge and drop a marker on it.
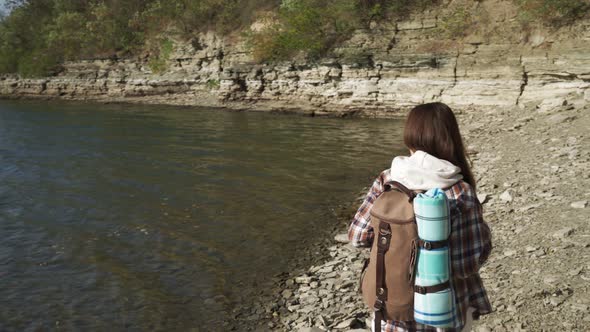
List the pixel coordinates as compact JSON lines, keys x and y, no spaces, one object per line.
{"x":376,"y":73}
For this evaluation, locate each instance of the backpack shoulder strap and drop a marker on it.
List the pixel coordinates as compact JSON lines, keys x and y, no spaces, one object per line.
{"x":397,"y":185}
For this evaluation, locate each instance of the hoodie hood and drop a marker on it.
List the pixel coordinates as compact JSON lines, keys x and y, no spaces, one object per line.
{"x":422,"y":171}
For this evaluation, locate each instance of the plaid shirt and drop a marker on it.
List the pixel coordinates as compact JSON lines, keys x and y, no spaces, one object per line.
{"x":470,"y":244}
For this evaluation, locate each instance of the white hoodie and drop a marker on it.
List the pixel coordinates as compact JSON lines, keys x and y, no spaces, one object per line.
{"x":422,"y":171}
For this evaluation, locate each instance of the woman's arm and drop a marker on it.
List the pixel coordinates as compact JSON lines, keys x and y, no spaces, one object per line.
{"x":360,"y":232}
{"x":471,"y":239}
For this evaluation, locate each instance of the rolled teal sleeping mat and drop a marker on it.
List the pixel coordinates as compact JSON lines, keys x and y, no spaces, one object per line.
{"x":432,"y":215}
{"x":434,"y":309}
{"x":432,"y":268}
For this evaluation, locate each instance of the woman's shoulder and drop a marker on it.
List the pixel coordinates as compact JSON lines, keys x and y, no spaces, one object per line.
{"x":463,"y":194}
{"x":384,"y":176}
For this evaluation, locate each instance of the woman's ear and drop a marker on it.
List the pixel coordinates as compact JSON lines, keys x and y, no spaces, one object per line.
{"x":412,"y":152}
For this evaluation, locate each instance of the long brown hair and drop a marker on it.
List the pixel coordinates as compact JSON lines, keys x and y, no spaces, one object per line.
{"x":433,"y":129}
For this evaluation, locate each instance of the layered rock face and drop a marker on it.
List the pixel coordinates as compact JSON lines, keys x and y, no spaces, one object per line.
{"x":378,"y":72}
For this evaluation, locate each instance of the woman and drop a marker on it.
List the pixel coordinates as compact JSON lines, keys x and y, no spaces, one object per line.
{"x":438,"y":160}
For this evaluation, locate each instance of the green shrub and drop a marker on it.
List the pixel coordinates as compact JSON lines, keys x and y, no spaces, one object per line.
{"x":68,"y":34}
{"x":38,"y":63}
{"x":213,"y":84}
{"x":457,"y":23}
{"x":159,"y":62}
{"x":552,"y":12}
{"x":305,"y":26}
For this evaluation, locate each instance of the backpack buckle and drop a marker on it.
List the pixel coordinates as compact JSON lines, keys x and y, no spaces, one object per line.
{"x":427,"y":245}
{"x":420,"y":289}
{"x":378,"y":305}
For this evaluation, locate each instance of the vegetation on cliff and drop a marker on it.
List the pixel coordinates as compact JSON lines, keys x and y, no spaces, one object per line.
{"x":39,"y":34}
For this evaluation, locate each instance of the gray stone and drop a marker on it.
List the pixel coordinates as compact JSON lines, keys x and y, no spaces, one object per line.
{"x":310,"y":329}
{"x":341,"y":238}
{"x":345,"y":324}
{"x":575,"y":272}
{"x":563,"y":233}
{"x":536,"y":39}
{"x":411,"y":25}
{"x":559,"y":118}
{"x":287,"y":294}
{"x":580,"y":307}
{"x":557,"y":300}
{"x":303,"y":280}
{"x":322,"y":320}
{"x":483,"y":198}
{"x":326,"y":269}
{"x":509,"y":253}
{"x":550,"y":280}
{"x":549,"y":104}
{"x":579,"y":204}
{"x":506,"y":196}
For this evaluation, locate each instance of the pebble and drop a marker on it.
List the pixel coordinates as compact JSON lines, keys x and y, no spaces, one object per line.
{"x":560,"y":118}
{"x":563,"y":233}
{"x":341,"y":238}
{"x":506,"y":196}
{"x":557,"y":301}
{"x":509,"y":253}
{"x":575,"y":272}
{"x":579,"y":204}
{"x":550,"y":280}
{"x":310,"y":329}
{"x":303,"y":280}
{"x":483,"y":198}
{"x":484,"y":328}
{"x":286,"y":293}
{"x":580,"y":307}
{"x":345,"y":324}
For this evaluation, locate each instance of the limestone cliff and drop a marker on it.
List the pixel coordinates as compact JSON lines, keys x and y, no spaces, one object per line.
{"x":378,"y":72}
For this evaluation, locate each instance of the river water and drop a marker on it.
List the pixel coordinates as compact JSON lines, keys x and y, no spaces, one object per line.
{"x":119,"y":217}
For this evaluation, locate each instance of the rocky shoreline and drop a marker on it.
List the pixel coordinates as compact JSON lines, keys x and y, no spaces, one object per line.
{"x":533,"y":170}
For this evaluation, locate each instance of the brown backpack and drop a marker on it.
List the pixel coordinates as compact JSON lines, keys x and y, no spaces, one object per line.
{"x":387,"y":281}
